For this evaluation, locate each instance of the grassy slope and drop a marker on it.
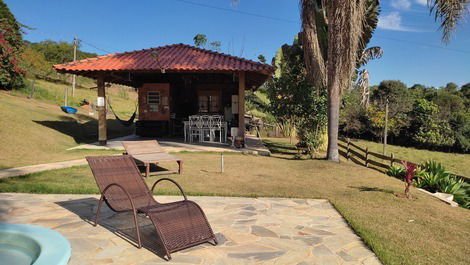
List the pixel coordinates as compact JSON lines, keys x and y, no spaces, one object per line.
{"x":123,"y":99}
{"x":455,"y":163}
{"x":37,"y":131}
{"x":438,"y":233}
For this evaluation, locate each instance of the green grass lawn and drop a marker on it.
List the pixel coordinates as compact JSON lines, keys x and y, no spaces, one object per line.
{"x":456,"y":163}
{"x":399,"y":231}
{"x":36,"y":131}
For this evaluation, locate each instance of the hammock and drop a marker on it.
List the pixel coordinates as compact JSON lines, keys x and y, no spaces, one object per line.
{"x":68,"y":109}
{"x":124,"y":122}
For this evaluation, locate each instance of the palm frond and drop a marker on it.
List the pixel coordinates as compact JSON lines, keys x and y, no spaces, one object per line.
{"x":370,"y":54}
{"x":371,"y":20}
{"x":449,"y":13}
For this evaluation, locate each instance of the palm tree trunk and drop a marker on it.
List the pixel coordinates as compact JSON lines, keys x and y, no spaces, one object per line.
{"x":344,"y":31}
{"x":333,"y":119}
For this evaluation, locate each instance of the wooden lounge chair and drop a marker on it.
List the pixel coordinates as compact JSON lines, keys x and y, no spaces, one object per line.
{"x":150,"y":152}
{"x":179,"y":225}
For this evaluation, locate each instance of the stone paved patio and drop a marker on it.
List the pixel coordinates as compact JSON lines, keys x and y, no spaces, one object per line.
{"x":250,"y":231}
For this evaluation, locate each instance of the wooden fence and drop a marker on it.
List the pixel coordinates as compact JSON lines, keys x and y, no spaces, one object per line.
{"x":365,"y":157}
{"x":355,"y":152}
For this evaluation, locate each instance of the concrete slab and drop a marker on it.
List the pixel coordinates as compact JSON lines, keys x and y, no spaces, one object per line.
{"x":254,"y":145}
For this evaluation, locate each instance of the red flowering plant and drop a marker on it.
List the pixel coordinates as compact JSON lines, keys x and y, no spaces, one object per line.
{"x":11,"y":75}
{"x":409,"y":175}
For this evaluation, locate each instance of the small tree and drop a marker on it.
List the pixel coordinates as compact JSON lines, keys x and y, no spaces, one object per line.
{"x":11,"y":43}
{"x":200,"y":40}
{"x":261,"y":58}
{"x":409,"y":175}
{"x":294,"y":101}
{"x":215,"y":45}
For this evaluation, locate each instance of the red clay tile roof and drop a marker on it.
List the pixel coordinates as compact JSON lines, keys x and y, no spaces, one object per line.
{"x":176,"y":57}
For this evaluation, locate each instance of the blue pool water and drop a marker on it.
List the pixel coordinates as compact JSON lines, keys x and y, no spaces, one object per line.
{"x":23,"y":244}
{"x":11,"y":254}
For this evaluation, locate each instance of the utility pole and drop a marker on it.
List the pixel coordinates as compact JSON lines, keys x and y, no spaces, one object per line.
{"x":66,"y":95}
{"x":386,"y":127}
{"x":75,"y":43}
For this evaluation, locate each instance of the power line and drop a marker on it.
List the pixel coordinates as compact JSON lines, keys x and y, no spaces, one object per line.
{"x":292,"y":21}
{"x":423,"y":44}
{"x":93,"y":46}
{"x":239,"y":12}
{"x":61,"y":37}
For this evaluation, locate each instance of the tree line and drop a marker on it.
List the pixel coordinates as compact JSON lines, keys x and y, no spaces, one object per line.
{"x":419,"y":116}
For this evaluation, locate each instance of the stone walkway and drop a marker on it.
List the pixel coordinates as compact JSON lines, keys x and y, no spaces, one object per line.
{"x":19,"y":171}
{"x":250,"y":231}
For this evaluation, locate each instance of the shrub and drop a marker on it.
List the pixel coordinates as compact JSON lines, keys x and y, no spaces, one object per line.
{"x":310,"y":139}
{"x":434,"y":177}
{"x":431,"y":174}
{"x":429,"y":181}
{"x":435,"y":168}
{"x":396,"y":171}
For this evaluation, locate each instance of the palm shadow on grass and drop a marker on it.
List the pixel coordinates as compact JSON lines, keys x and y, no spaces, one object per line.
{"x":280,"y":148}
{"x":373,"y":189}
{"x":84,"y":129}
{"x":120,"y":224}
{"x":286,"y":151}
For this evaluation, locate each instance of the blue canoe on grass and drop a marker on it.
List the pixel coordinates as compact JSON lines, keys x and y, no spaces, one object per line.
{"x":68,"y":109}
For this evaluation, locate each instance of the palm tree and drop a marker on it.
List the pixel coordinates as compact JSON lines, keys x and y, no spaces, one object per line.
{"x":335,"y":32}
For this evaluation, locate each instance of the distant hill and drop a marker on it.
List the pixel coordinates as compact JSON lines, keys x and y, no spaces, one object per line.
{"x":38,"y":57}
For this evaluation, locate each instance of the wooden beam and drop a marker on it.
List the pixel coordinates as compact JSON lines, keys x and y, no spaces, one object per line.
{"x":101,"y":105}
{"x":241,"y":104}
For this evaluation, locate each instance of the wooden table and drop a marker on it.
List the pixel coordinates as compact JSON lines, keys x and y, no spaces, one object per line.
{"x":155,"y":158}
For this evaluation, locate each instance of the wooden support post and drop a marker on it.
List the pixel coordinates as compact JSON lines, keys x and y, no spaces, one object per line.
{"x":392,"y":157}
{"x":74,"y":77}
{"x":386,"y":129}
{"x":180,"y":166}
{"x":347,"y":150}
{"x":221,"y":162}
{"x":147,"y":169}
{"x":101,"y":106}
{"x":241,"y":104}
{"x":367,"y":157}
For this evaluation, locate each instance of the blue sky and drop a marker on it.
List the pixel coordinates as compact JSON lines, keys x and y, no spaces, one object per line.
{"x":413,"y":51}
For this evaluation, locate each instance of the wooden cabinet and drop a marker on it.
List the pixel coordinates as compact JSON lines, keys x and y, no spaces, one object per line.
{"x":154,"y":102}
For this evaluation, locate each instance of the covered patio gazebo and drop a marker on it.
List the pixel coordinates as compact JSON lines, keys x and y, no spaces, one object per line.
{"x":174,"y":82}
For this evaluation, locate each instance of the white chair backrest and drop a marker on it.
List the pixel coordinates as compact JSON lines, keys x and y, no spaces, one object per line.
{"x":194,"y":120}
{"x":205,"y":121}
{"x":216,"y":121}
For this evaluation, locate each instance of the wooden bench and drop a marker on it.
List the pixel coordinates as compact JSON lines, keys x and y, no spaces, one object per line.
{"x":149,"y":153}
